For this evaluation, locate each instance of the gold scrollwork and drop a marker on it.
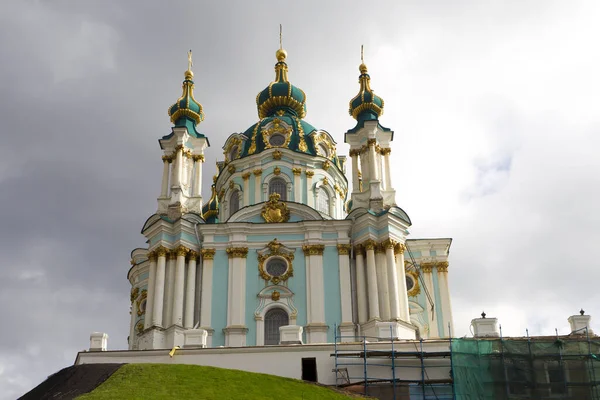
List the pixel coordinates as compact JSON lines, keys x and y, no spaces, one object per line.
{"x":139,"y":327}
{"x":134,"y":294}
{"x":237,"y":252}
{"x":296,"y":171}
{"x":276,"y":128}
{"x":313,"y":249}
{"x":416,"y":289}
{"x":141,"y":305}
{"x":208,"y":254}
{"x":277,"y":170}
{"x":344,"y":249}
{"x":275,"y":251}
{"x":442,"y":266}
{"x":309,"y":174}
{"x":252,"y":148}
{"x":245,"y":176}
{"x":274,"y":210}
{"x":277,"y":155}
{"x":230,"y":146}
{"x":231,"y":169}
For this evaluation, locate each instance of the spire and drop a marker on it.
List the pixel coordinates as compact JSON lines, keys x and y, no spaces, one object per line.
{"x":187,"y":110}
{"x":366,"y":104}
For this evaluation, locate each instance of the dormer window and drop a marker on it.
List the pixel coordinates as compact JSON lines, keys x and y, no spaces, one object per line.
{"x":322,"y":150}
{"x":276,"y":140}
{"x":233,"y":153}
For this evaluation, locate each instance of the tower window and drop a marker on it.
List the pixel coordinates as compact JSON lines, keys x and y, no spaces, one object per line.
{"x":276,"y":140}
{"x":278,"y":185}
{"x":322,"y":201}
{"x":274,"y":318}
{"x":234,"y":202}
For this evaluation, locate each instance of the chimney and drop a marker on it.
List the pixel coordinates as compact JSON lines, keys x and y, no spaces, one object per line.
{"x":485,"y":327}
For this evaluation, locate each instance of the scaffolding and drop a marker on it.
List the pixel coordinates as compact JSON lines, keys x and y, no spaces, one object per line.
{"x":393,"y":369}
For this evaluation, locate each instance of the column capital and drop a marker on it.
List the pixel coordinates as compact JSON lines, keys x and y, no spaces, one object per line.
{"x":181,"y":251}
{"x":354,"y":152}
{"x":296,"y":171}
{"x":161,"y":251}
{"x":193,"y":255}
{"x":237,"y":252}
{"x":385,"y":151}
{"x":371,"y":142}
{"x":257,"y":172}
{"x":208,"y":254}
{"x":309,"y":174}
{"x":369,"y":244}
{"x":344,"y":249}
{"x":198,"y":157}
{"x":313,"y":249}
{"x":442,"y":266}
{"x":231,"y":169}
{"x":399,"y":248}
{"x":359,"y":249}
{"x":187,"y":154}
{"x":427,"y":268}
{"x":389,"y":244}
{"x":152,"y":256}
{"x":379,"y":248}
{"x":245,"y":176}
{"x":178,"y":147}
{"x":167,"y":159}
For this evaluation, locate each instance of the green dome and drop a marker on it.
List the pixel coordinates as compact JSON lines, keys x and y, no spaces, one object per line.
{"x":366,"y":105}
{"x":210,"y":211}
{"x":281,"y":94}
{"x":186,"y":108}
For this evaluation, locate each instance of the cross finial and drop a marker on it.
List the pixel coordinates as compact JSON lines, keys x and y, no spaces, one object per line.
{"x":362,"y":58}
{"x":280,"y":37}
{"x":190,"y":63}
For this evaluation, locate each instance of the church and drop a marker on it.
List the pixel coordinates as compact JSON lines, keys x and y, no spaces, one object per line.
{"x":296,"y":243}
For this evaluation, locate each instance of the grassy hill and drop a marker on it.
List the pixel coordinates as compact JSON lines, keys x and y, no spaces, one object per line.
{"x":177,"y":381}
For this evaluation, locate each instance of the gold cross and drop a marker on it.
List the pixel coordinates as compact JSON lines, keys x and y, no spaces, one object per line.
{"x":280,"y":41}
{"x":362,"y":60}
{"x":190,"y":63}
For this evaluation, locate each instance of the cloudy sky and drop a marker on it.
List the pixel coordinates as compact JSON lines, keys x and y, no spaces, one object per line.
{"x":495,"y":107}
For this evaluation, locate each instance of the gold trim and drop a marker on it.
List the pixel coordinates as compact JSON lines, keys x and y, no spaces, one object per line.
{"x":276,"y":155}
{"x":246,"y":175}
{"x":143,"y":297}
{"x":275,"y":252}
{"x":276,"y":128}
{"x":208,"y":254}
{"x":134,"y":294}
{"x":139,"y":327}
{"x":257,"y":172}
{"x":237,"y":252}
{"x":309,"y":174}
{"x":252,"y":148}
{"x":193,"y":255}
{"x":182,"y":251}
{"x":416,"y":289}
{"x":302,"y":144}
{"x":296,"y":171}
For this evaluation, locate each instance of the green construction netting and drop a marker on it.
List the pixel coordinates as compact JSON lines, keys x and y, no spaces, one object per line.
{"x":534,"y":368}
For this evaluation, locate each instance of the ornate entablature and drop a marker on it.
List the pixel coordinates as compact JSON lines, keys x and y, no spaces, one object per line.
{"x":275,"y":262}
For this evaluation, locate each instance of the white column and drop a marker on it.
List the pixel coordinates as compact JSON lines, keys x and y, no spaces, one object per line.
{"x":132,"y":332}
{"x":208,"y":257}
{"x":179,"y":286}
{"x":169,"y":286}
{"x":310,"y":196}
{"x":346,"y":327}
{"x":297,"y":188}
{"x":257,"y":186}
{"x":151,"y":283}
{"x":442,"y":271}
{"x":392,"y":280}
{"x":382,"y":284}
{"x":361,"y":285}
{"x":164,"y":188}
{"x":354,"y":155}
{"x":372,"y":280}
{"x":246,"y":178}
{"x":372,"y":160}
{"x":178,"y":166}
{"x":185,"y":178}
{"x":402,"y":292}
{"x":428,"y":280}
{"x":198,"y":160}
{"x":190,"y":291}
{"x":159,"y":287}
{"x":386,"y":158}
{"x":365,"y":169}
{"x":235,"y":332}
{"x":316,"y":328}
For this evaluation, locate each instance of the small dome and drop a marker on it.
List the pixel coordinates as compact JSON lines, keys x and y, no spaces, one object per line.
{"x":281,"y":94}
{"x":366,"y":105}
{"x":210,"y":211}
{"x":186,"y":108}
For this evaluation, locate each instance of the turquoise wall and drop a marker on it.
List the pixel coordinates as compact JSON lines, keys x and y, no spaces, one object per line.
{"x":219,"y":297}
{"x":438,"y":304}
{"x":331,"y":284}
{"x":254,"y":284}
{"x":297,"y":284}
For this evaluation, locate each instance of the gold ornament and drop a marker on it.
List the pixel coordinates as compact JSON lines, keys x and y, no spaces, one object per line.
{"x":313,"y":249}
{"x":237,"y":252}
{"x":134,"y":294}
{"x":208,"y":254}
{"x":275,"y":250}
{"x":275,"y":295}
{"x":275,"y":210}
{"x":277,"y":170}
{"x":343,"y":249}
{"x":277,"y":155}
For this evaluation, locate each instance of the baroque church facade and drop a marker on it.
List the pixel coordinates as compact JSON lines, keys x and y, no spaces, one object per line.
{"x":282,"y":241}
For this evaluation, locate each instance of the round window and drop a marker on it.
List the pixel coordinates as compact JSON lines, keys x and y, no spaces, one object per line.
{"x":277,"y":140}
{"x":276,"y":267}
{"x":409,"y":283}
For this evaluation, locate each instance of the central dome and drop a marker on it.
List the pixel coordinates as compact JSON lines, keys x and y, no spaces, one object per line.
{"x":281,"y":95}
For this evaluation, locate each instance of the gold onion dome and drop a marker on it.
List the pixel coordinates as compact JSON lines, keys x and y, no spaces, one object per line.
{"x":366,"y":105}
{"x":187,"y":108}
{"x":281,"y":94}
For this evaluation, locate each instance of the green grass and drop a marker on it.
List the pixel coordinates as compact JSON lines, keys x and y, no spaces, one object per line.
{"x":178,"y":381}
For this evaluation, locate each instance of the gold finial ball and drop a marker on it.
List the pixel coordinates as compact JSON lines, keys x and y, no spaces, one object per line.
{"x":189,"y":75}
{"x":362,"y":68}
{"x":281,"y":55}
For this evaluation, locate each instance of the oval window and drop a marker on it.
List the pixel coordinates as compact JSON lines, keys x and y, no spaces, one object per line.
{"x":277,"y":140}
{"x":276,"y":267}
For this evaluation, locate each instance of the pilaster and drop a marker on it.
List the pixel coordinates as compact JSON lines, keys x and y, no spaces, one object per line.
{"x":208,"y":257}
{"x":235,"y":333}
{"x":316,"y":329}
{"x":346,"y":327}
{"x":361,"y":285}
{"x":382,"y":283}
{"x":372,"y":280}
{"x":159,"y":287}
{"x":190,"y":294}
{"x":151,"y":284}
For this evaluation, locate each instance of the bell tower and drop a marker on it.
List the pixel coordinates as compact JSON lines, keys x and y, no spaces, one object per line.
{"x":183,"y":154}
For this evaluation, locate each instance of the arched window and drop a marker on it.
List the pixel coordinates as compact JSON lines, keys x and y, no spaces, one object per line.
{"x":322,"y":201}
{"x":234,"y":202}
{"x":274,"y":318}
{"x":278,"y":185}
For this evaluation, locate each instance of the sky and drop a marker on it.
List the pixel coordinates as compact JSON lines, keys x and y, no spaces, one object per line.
{"x":495,"y":107}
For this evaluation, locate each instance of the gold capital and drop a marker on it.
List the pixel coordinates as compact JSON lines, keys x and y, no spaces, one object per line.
{"x":388,"y":244}
{"x":370,"y":244}
{"x":427,"y":267}
{"x":151,"y":256}
{"x":379,"y":248}
{"x":399,"y":248}
{"x":257,"y":172}
{"x":181,"y":251}
{"x":245,"y":176}
{"x":208,"y":254}
{"x":371,"y":142}
{"x":161,"y":251}
{"x":359,"y":249}
{"x":193,"y":255}
{"x":313,"y":249}
{"x":237,"y":252}
{"x":442,"y":266}
{"x":354,"y":152}
{"x":296,"y":171}
{"x":198,"y":157}
{"x":386,"y":151}
{"x":343,"y":249}
{"x":309,"y":174}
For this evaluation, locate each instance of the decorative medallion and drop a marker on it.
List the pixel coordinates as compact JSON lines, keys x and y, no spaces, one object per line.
{"x":276,"y":134}
{"x":412,"y":283}
{"x":277,"y":155}
{"x":275,"y":295}
{"x":275,"y":263}
{"x":277,"y":170}
{"x":141,"y":304}
{"x":274,"y":210}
